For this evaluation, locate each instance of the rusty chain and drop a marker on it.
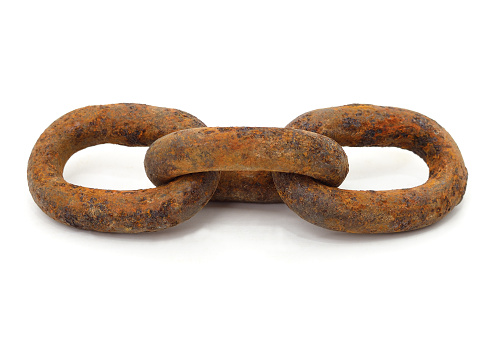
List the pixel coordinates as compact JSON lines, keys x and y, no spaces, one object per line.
{"x":301,"y":165}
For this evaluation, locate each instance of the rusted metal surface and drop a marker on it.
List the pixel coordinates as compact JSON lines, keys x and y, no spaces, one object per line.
{"x":378,"y":211}
{"x":246,"y":149}
{"x":302,"y":164}
{"x":114,"y":210}
{"x":247,"y":186}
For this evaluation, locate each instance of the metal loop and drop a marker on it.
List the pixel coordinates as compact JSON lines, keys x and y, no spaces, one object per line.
{"x":114,"y":210}
{"x":378,"y":211}
{"x":246,"y":149}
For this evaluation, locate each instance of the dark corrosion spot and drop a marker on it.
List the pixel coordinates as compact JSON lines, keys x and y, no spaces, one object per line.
{"x":133,"y":137}
{"x":422,"y":140}
{"x":102,"y":206}
{"x":69,"y":218}
{"x":422,"y":122}
{"x":350,"y":122}
{"x":369,"y":137}
{"x":78,"y":132}
{"x":420,"y":145}
{"x":401,"y":224}
{"x":399,"y":135}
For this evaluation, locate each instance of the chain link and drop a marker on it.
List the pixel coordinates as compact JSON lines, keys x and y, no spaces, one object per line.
{"x":378,"y":211}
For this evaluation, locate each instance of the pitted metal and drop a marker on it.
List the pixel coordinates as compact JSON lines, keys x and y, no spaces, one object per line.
{"x":378,"y":211}
{"x":302,"y":164}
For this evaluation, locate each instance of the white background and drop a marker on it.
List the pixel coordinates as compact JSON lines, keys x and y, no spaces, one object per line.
{"x":247,"y":274}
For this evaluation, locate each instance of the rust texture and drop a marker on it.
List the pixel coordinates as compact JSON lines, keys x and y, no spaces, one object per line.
{"x":246,"y":149}
{"x":114,"y":210}
{"x":247,"y":186}
{"x":378,"y":211}
{"x":301,"y":164}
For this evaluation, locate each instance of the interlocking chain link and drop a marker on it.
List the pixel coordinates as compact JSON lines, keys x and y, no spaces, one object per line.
{"x":302,"y":164}
{"x":114,"y":210}
{"x":246,"y":149}
{"x":378,"y":211}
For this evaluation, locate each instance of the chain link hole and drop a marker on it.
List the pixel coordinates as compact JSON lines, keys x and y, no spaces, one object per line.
{"x":108,"y":166}
{"x":383,"y":168}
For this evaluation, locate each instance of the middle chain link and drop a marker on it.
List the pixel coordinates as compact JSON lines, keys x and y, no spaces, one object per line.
{"x":246,"y":156}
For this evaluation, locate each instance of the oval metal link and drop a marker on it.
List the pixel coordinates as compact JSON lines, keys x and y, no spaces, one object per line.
{"x":378,"y":211}
{"x":114,"y":210}
{"x":246,"y":149}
